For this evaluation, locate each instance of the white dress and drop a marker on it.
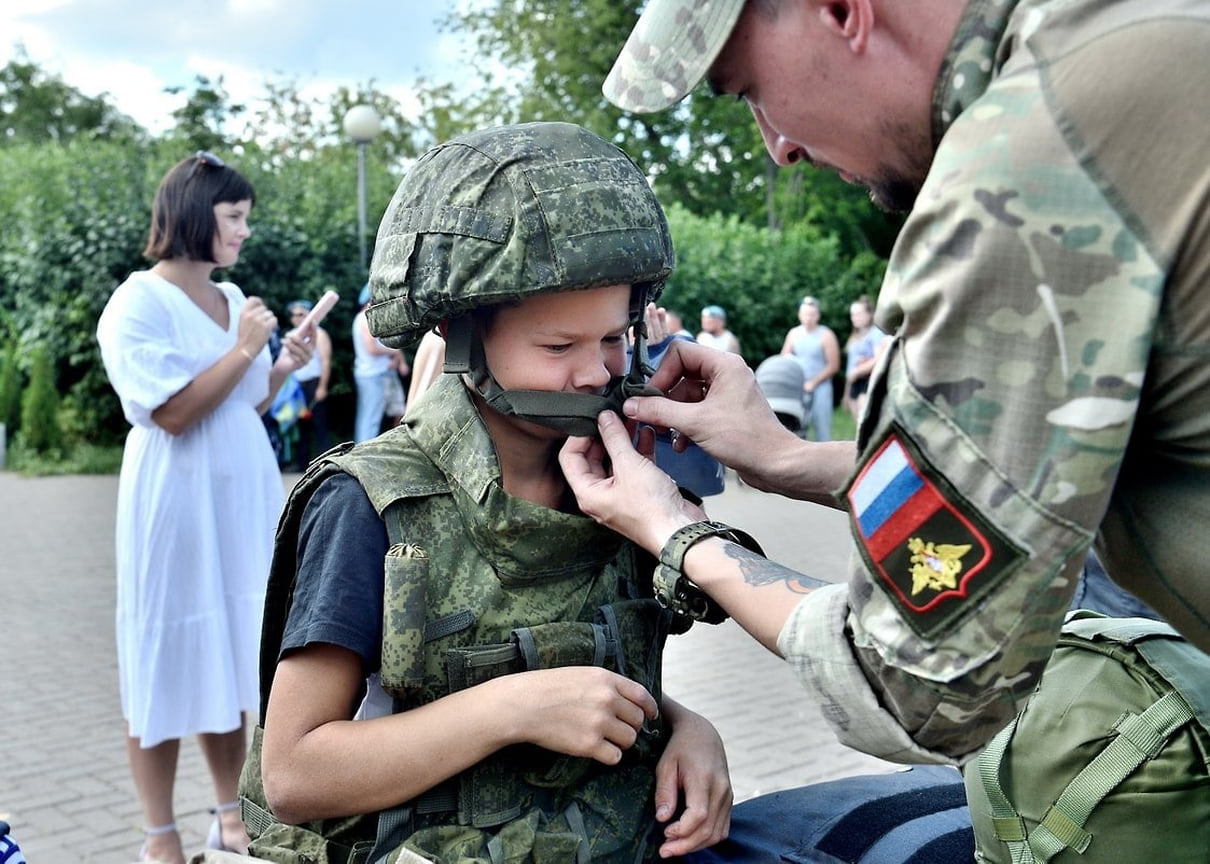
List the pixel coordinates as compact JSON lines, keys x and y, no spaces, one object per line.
{"x":195,"y":520}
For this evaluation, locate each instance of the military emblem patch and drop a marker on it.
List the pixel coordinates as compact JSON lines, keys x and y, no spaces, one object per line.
{"x":933,"y":552}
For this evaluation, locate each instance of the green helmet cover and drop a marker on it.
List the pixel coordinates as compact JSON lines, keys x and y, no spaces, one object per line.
{"x":508,"y":212}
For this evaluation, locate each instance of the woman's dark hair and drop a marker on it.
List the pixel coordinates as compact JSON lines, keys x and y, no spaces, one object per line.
{"x":182,"y":215}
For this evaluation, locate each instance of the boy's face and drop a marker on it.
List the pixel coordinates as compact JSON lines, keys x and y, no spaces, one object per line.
{"x":573,"y":341}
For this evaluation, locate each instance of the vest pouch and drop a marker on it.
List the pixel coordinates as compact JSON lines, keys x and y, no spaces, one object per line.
{"x":563,"y":643}
{"x":626,"y":638}
{"x":528,"y":839}
{"x":406,"y":576}
{"x":466,"y":667}
{"x":612,"y":824}
{"x":640,"y":628}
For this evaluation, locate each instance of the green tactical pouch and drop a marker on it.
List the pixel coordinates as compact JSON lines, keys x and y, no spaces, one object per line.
{"x":1110,"y":760}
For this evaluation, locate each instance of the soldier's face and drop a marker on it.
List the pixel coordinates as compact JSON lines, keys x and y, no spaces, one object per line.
{"x":819,"y":98}
{"x":574,"y":341}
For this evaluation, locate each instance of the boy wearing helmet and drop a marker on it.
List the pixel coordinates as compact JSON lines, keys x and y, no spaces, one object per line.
{"x":458,"y":665}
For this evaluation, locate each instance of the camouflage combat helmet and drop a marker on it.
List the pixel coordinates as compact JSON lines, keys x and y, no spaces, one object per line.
{"x":505,"y":213}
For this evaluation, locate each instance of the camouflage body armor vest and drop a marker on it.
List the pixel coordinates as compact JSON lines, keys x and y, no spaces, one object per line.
{"x":479,"y":584}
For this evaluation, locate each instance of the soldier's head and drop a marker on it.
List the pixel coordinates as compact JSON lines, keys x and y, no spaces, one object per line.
{"x":843,"y":84}
{"x":544,"y":225}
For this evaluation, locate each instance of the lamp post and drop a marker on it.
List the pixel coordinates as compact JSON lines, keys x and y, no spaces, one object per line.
{"x":362,"y":125}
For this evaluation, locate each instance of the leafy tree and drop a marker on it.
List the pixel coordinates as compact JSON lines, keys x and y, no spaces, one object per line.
{"x":10,"y":390}
{"x":206,"y":117}
{"x":40,"y":406}
{"x":705,"y":154}
{"x":36,"y":107}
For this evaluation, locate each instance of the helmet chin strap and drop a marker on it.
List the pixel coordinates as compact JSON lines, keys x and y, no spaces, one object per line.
{"x":570,"y":413}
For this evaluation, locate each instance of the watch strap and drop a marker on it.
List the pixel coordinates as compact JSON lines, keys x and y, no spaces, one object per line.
{"x":676,"y":591}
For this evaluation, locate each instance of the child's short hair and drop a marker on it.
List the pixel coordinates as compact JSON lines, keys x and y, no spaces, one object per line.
{"x":182,"y":215}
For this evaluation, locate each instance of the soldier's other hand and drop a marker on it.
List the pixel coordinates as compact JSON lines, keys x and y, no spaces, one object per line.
{"x":712,"y":399}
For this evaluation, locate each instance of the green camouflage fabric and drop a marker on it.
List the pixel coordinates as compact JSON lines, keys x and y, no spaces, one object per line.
{"x":508,"y":212}
{"x":1049,"y":382}
{"x":478,"y":584}
{"x":670,"y":50}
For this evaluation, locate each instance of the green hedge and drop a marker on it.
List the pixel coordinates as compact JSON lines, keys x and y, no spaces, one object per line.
{"x":759,"y":276}
{"x":76,"y":217}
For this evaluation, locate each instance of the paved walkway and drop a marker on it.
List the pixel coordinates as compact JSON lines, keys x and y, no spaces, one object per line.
{"x":66,"y":786}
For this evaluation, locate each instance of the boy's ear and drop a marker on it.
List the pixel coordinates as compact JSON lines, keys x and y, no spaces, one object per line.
{"x":851,"y":19}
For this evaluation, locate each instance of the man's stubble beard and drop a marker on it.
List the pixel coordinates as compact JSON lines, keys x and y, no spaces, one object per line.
{"x":896,"y":188}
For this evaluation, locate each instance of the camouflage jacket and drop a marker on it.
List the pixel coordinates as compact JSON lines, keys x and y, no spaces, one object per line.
{"x":478,"y":584}
{"x":1049,"y":381}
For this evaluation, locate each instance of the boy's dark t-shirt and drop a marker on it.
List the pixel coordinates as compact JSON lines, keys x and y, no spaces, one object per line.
{"x":338,"y":597}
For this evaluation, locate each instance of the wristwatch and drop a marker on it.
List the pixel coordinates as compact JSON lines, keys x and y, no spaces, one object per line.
{"x":676,"y":591}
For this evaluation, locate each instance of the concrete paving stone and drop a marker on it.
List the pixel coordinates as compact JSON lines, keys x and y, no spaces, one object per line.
{"x":67,"y":787}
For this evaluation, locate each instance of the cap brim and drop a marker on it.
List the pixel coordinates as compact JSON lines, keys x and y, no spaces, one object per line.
{"x":669,"y":51}
{"x":785,"y":405}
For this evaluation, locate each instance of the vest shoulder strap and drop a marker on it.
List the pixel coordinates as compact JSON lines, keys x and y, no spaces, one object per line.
{"x":389,"y":469}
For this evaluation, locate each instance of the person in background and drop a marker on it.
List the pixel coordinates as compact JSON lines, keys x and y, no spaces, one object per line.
{"x":861,"y":354}
{"x":676,"y":324}
{"x":394,"y":401}
{"x":10,"y":852}
{"x":818,"y":351}
{"x":780,"y":380}
{"x":314,"y":436}
{"x":372,"y":363}
{"x":714,"y":332}
{"x":426,"y":364}
{"x":199,"y":493}
{"x":691,"y":467}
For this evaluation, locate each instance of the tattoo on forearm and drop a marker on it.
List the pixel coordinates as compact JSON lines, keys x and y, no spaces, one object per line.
{"x":759,"y":571}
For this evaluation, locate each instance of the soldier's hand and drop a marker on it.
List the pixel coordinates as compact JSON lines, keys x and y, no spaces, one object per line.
{"x":619,"y":487}
{"x":584,"y":711}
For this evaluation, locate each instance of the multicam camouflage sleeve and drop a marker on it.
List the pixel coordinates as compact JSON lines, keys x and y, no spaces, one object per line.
{"x":1027,"y":301}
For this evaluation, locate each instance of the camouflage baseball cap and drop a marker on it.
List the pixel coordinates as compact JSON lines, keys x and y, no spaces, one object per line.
{"x":669,"y":52}
{"x":504,"y":213}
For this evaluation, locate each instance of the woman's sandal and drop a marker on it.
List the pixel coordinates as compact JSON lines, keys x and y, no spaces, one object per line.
{"x":214,"y":839}
{"x":157,"y":831}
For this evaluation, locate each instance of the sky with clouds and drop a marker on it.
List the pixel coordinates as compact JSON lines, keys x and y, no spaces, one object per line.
{"x":134,"y":49}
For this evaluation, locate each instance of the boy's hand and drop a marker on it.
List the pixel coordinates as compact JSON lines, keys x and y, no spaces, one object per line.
{"x":583,"y":711}
{"x":693,"y":773}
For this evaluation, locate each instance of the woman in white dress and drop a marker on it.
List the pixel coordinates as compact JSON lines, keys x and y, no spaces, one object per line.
{"x":199,"y":493}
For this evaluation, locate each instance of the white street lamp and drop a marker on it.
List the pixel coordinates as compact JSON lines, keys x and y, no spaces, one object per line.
{"x":362,"y":125}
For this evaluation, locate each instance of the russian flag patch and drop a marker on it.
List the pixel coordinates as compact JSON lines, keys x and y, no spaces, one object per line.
{"x":931,"y":550}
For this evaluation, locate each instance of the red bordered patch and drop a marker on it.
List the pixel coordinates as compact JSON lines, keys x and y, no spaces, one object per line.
{"x":933,"y":552}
